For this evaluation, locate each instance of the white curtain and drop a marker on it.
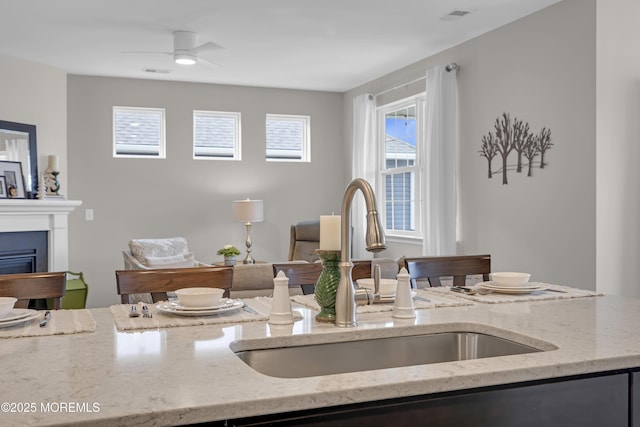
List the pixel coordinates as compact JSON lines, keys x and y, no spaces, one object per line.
{"x":365,"y":162}
{"x":17,"y":150}
{"x":440,"y":163}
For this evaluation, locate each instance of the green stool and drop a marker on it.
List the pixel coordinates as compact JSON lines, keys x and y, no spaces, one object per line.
{"x":75,"y":295}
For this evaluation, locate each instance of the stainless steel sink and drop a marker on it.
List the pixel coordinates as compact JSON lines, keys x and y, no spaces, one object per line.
{"x":379,"y":353}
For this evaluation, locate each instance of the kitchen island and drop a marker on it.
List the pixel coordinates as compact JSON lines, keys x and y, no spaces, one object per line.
{"x":188,"y":375}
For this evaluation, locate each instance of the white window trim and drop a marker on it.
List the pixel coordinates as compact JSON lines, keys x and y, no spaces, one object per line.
{"x":306,"y":138}
{"x":419,"y":101}
{"x":161,"y":149}
{"x":237,"y":146}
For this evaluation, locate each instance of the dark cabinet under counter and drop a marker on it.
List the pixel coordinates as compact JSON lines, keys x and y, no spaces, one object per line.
{"x":635,"y":399}
{"x":589,"y":401}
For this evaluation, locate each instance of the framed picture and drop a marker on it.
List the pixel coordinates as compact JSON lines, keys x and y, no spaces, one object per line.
{"x":13,"y":179}
{"x":18,"y":142}
{"x":3,"y":188}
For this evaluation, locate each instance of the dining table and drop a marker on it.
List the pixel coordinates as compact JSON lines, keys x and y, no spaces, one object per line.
{"x":100,"y":367}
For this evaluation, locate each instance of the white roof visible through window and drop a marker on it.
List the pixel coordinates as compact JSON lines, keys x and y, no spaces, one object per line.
{"x":138,"y":131}
{"x":287,"y":138}
{"x":216,"y":135}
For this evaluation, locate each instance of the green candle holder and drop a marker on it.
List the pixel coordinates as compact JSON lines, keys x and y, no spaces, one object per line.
{"x":327,"y":285}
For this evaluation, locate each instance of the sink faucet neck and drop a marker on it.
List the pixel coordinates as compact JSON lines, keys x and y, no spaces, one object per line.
{"x":346,"y":300}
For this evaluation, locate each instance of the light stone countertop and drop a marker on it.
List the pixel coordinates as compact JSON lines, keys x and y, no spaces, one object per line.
{"x":189,"y":374}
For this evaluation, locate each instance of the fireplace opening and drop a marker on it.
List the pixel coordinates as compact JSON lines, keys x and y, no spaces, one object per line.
{"x":23,"y":252}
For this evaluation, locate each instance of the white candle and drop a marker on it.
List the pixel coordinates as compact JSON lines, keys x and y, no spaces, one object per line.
{"x":330,"y":226}
{"x":53,"y":163}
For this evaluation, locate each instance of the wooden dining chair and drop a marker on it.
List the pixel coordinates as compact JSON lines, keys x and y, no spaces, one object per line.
{"x":159,"y":282}
{"x":304,"y":275}
{"x":433,"y":268}
{"x":29,"y":286}
{"x":361,"y":269}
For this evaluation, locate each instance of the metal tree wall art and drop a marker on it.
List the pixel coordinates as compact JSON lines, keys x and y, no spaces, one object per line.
{"x":514,"y":136}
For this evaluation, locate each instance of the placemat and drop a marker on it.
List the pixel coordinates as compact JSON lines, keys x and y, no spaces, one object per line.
{"x":422,"y":300}
{"x":62,"y":322}
{"x":556,"y":292}
{"x":255,"y":309}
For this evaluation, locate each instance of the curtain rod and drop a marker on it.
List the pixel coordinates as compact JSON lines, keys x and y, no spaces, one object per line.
{"x":451,"y":67}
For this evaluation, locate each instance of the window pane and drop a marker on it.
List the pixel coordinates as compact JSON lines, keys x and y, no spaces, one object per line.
{"x":287,"y":138}
{"x":400,"y":201}
{"x":400,"y":137}
{"x":138,"y":132}
{"x":216,"y":135}
{"x":388,"y":197}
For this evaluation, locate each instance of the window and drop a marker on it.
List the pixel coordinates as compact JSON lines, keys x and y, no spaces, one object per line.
{"x":288,"y":138}
{"x":138,"y":132}
{"x":399,"y":172}
{"x":216,"y":135}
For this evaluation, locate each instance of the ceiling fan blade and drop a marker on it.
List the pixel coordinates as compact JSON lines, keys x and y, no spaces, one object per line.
{"x":146,"y":52}
{"x":206,"y":47}
{"x":207,"y":63}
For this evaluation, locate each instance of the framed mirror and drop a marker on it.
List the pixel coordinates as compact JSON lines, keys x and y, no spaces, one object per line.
{"x":18,"y":144}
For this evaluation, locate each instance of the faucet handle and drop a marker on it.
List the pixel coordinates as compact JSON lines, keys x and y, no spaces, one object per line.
{"x":364,"y":296}
{"x":376,"y":279}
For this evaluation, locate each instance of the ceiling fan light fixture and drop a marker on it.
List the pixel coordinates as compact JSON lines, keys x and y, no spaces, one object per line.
{"x":184,"y":59}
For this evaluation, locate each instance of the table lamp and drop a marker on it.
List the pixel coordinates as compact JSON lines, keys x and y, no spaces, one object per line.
{"x":248,"y":211}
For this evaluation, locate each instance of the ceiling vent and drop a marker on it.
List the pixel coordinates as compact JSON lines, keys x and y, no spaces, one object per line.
{"x":155,"y":70}
{"x":458,"y":13}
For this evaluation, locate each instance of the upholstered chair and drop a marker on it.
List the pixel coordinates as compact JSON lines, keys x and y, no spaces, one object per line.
{"x":151,"y":254}
{"x":305,"y":239}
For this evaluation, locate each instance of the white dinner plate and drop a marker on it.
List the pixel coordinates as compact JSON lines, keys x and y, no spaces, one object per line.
{"x":168,"y":308}
{"x":33,"y":314}
{"x":16,"y":313}
{"x":224,"y":302}
{"x":532,"y":287}
{"x":529,"y":286}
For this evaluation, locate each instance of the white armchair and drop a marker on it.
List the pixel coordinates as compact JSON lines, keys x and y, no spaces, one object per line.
{"x":150,"y":254}
{"x":147,"y":254}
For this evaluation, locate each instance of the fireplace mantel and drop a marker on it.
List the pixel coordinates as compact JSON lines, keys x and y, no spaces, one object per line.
{"x":41,"y":215}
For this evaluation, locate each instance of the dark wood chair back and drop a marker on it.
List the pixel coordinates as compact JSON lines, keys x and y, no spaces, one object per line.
{"x":28,"y":286}
{"x":160,"y":281}
{"x":433,"y":268}
{"x":361,"y":269}
{"x":304,"y":275}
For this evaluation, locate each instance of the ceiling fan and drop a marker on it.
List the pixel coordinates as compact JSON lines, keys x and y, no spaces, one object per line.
{"x":186,"y":49}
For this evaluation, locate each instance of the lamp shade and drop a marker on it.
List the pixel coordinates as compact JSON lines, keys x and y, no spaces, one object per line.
{"x":248,"y":210}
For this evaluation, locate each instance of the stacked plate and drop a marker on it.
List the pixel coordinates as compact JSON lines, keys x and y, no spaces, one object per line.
{"x":174,"y":307}
{"x":523,"y":289}
{"x":18,"y":316}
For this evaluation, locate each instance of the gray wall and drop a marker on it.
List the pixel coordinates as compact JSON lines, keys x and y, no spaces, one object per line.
{"x":37,"y":94}
{"x":179,"y":196}
{"x":542,"y":71}
{"x":618,"y":133}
